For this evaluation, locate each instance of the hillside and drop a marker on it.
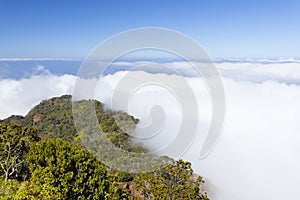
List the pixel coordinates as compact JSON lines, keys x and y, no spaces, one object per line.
{"x":53,"y":118}
{"x":51,"y":163}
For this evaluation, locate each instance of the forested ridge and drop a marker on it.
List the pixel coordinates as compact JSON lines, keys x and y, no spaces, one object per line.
{"x":42,"y":157}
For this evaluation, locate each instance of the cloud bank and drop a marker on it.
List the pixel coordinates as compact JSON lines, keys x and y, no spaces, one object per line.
{"x":19,"y":96}
{"x":257,"y":156}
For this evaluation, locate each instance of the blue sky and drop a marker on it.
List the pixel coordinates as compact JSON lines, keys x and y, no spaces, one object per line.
{"x":71,"y":29}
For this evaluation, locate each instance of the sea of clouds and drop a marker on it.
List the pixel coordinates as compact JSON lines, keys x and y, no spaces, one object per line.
{"x":257,"y":156}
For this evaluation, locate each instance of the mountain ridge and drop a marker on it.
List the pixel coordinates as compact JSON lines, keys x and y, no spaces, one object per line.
{"x":54,"y":124}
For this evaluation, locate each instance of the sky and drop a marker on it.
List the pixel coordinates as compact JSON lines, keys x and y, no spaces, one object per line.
{"x":71,"y":29}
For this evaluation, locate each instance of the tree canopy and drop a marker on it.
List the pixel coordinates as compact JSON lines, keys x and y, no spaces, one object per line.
{"x":174,"y":181}
{"x":14,"y":144}
{"x":41,"y":157}
{"x":61,"y":170}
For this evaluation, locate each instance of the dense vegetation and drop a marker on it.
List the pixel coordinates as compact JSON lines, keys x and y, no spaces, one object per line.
{"x":41,"y":157}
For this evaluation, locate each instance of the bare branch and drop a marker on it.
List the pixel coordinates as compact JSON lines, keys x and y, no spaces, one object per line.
{"x":2,"y":166}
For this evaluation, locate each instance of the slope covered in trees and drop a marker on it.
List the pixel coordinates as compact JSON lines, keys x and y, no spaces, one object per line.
{"x":41,"y":157}
{"x":54,"y":118}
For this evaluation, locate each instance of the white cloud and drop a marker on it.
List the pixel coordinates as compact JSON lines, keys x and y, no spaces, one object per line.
{"x":257,"y":72}
{"x":19,"y":96}
{"x":254,"y":70}
{"x":257,"y":156}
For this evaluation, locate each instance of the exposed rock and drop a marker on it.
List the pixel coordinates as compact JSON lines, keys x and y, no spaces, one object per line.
{"x":36,"y":118}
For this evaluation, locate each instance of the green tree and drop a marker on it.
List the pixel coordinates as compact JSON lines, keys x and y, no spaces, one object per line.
{"x":174,"y":181}
{"x":61,"y":170}
{"x":118,"y":181}
{"x":14,"y":144}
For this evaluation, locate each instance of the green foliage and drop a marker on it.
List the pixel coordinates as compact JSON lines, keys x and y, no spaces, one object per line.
{"x":14,"y":119}
{"x":123,"y":141}
{"x":122,"y":176}
{"x":8,"y":188}
{"x":53,"y":118}
{"x":61,"y":170}
{"x":118,"y":180}
{"x":174,"y":181}
{"x":15,"y":142}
